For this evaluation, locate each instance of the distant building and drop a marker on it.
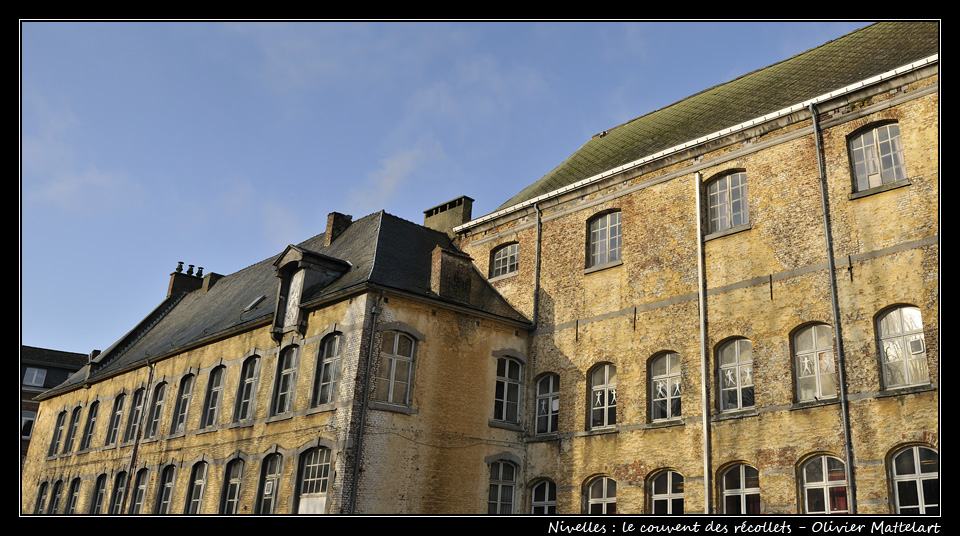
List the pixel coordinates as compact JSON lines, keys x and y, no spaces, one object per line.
{"x":729,"y":305}
{"x":41,"y":369}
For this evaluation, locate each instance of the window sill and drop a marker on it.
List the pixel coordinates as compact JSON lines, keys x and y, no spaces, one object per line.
{"x":604,"y":266}
{"x":493,"y":423}
{"x":602,"y":431}
{"x":322,"y":408}
{"x":544,"y":437}
{"x":666,"y":423}
{"x":879,"y":189}
{"x":502,"y":277}
{"x":383,"y":406}
{"x":805,"y":404}
{"x":906,"y":390}
{"x":727,"y":232}
{"x":736,"y":414}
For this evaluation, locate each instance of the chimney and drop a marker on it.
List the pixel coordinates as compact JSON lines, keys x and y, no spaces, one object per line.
{"x":181,"y":282}
{"x":209,"y":280}
{"x":445,"y":217}
{"x":336,"y":224}
{"x":450,"y":274}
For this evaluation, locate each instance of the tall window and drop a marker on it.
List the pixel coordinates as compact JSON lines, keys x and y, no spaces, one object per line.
{"x":502,"y":484}
{"x":73,"y":496}
{"x":136,"y":413}
{"x":667,"y":493}
{"x":877,"y":156}
{"x":736,"y":375}
{"x":506,"y":260}
{"x":99,"y":494}
{"x":665,"y":387}
{"x":233,"y":478}
{"x":816,"y":371}
{"x":395,"y":373}
{"x":727,"y":202}
{"x":195,"y":488}
{"x":603,"y":396}
{"x":603,"y":242}
{"x":139,"y":491}
{"x":602,"y":496}
{"x":741,"y":490}
{"x":27,"y":419}
{"x":271,"y":470}
{"x":543,"y":498}
{"x":548,"y":404}
{"x":246,"y":392}
{"x":916,"y":481}
{"x":119,"y":492}
{"x":57,"y":434}
{"x":182,"y":406}
{"x":41,"y":504}
{"x":165,"y":490}
{"x":91,"y":426}
{"x":313,"y":481}
{"x":156,"y":410}
{"x":824,"y":486}
{"x":116,"y":417}
{"x":211,"y":403}
{"x":506,"y":405}
{"x":72,"y":430}
{"x":55,"y":497}
{"x":286,"y":381}
{"x":328,"y":370}
{"x":902,"y":349}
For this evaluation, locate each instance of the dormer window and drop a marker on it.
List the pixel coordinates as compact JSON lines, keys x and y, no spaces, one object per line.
{"x":300,"y":271}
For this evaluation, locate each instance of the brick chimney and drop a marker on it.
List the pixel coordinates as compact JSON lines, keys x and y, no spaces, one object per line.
{"x":450,"y":274}
{"x":336,"y":224}
{"x":181,"y":282}
{"x":445,"y":217}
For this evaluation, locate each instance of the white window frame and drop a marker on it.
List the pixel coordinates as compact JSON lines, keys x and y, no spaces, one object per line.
{"x":876,"y":157}
{"x":728,"y":202}
{"x":196,"y":488}
{"x":741,"y":490}
{"x":666,"y":387}
{"x":72,"y":428}
{"x":503,"y":485}
{"x":543,"y":498}
{"x":211,"y":401}
{"x":736,"y":375}
{"x":601,"y":496}
{"x":232,"y":486}
{"x":314,"y":480}
{"x":285,"y":386}
{"x":815,"y":364}
{"x":55,"y":496}
{"x":604,"y":239}
{"x":181,"y":408}
{"x":91,"y":425}
{"x":916,"y":469}
{"x":165,"y":488}
{"x":903,"y":351}
{"x":119,"y":491}
{"x":506,"y":405}
{"x":394,"y":378}
{"x":155,"y":415}
{"x":548,"y":404}
{"x":34,"y":377}
{"x":327,"y":379}
{"x":140,"y":481}
{"x":271,"y":471}
{"x":603,"y":396}
{"x":57,"y":434}
{"x":73,"y":496}
{"x":136,"y":413}
{"x":824,"y":476}
{"x":98,"y":494}
{"x":666,"y":493}
{"x":505,"y":260}
{"x":247,"y":390}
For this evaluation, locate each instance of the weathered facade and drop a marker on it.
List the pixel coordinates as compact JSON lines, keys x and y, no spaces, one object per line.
{"x":730,"y":305}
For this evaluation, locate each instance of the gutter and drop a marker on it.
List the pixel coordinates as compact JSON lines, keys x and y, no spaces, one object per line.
{"x":725,"y":132}
{"x":704,"y":354}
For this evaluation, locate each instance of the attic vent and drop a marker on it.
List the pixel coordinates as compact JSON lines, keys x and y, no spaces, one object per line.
{"x":255,"y":303}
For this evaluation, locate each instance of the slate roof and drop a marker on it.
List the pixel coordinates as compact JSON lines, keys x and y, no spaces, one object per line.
{"x":859,"y":55}
{"x":383,"y":251}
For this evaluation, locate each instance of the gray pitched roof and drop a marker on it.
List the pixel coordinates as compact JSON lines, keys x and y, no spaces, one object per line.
{"x":383,"y":251}
{"x":859,"y":55}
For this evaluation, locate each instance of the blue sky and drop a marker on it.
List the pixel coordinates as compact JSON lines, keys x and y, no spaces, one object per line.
{"x":219,"y":143}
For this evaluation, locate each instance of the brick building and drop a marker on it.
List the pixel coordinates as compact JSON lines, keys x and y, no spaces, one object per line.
{"x":729,"y":305}
{"x":41,"y":369}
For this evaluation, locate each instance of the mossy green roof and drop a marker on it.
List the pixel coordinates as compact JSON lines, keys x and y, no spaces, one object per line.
{"x":862,"y":54}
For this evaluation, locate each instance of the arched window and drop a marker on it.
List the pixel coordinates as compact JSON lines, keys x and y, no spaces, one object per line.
{"x":116,"y":417}
{"x":247,"y":390}
{"x":876,"y":155}
{"x":603,"y":396}
{"x":139,"y":491}
{"x":55,"y":497}
{"x":136,"y":413}
{"x":72,"y":430}
{"x":165,"y":490}
{"x":286,"y":382}
{"x":601,"y":496}
{"x":395,"y":372}
{"x":813,"y":357}
{"x":824,"y":485}
{"x":270,"y":471}
{"x":232,"y":480}
{"x":666,"y":492}
{"x":119,"y":493}
{"x":41,"y":503}
{"x":506,"y":260}
{"x":211,"y":403}
{"x":195,"y":488}
{"x":741,"y":490}
{"x":736,"y":375}
{"x":328,"y":370}
{"x":57,"y":434}
{"x":902,"y":349}
{"x":155,"y":411}
{"x":98,"y":495}
{"x":916,"y":481}
{"x":548,"y":404}
{"x":543,"y":498}
{"x":313,"y":481}
{"x":603,"y":239}
{"x":503,"y":477}
{"x":506,"y":405}
{"x":73,"y":496}
{"x":91,"y":426}
{"x":665,"y":387}
{"x":182,"y":407}
{"x":727,"y":202}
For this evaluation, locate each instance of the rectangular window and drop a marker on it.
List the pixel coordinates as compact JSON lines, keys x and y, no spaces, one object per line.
{"x":34,"y":377}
